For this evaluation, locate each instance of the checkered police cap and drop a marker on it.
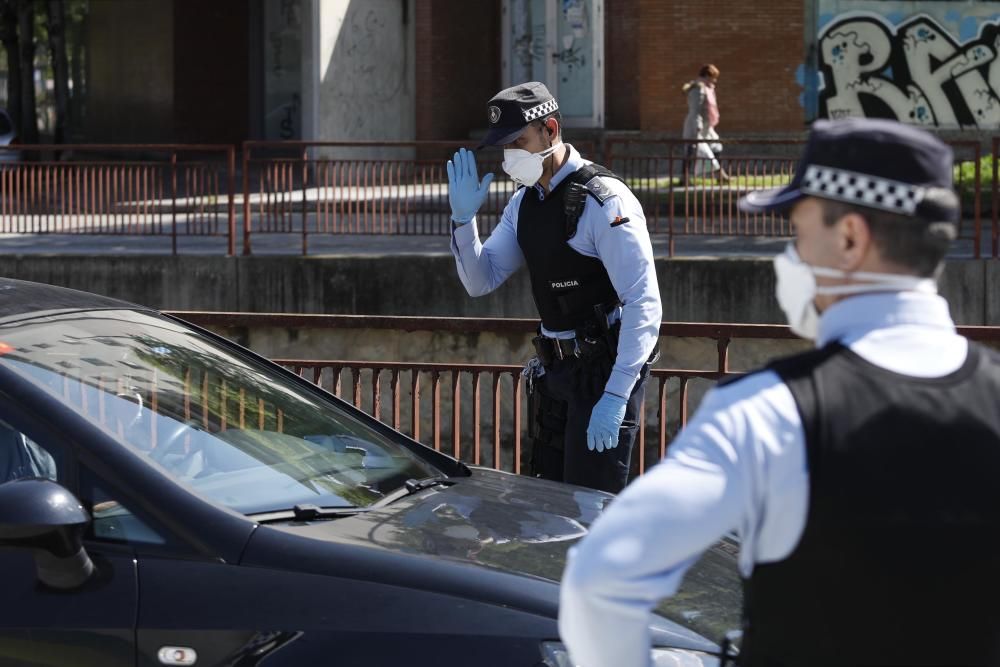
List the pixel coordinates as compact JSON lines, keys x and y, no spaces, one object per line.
{"x":872,"y":163}
{"x":512,"y":109}
{"x":855,"y":188}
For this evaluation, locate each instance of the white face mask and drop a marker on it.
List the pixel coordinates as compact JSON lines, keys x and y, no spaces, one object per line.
{"x":523,"y":167}
{"x":796,"y":288}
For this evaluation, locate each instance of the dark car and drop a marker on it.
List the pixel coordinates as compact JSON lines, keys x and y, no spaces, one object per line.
{"x":170,"y":498}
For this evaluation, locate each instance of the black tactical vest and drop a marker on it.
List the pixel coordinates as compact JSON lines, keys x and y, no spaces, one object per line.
{"x":565,"y":284}
{"x":899,"y":561}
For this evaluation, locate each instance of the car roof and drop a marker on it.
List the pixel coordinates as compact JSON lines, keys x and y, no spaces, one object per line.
{"x":21,"y":297}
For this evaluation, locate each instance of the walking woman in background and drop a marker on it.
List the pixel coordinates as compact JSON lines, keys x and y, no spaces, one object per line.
{"x":702,"y":118}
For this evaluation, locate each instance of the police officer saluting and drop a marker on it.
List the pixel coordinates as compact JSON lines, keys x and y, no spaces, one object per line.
{"x":582,"y":234}
{"x":862,"y":476}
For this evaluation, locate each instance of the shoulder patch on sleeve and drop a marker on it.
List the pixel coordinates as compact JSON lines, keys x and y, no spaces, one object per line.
{"x":599,"y":189}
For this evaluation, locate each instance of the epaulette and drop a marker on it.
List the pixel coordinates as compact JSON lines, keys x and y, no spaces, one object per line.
{"x":583,"y":182}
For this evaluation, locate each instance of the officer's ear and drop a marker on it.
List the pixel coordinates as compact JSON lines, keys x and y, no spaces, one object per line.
{"x":552,"y":127}
{"x":855,"y":240}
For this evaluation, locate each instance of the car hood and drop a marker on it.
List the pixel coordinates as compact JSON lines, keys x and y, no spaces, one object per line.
{"x":508,"y":522}
{"x":503,"y":523}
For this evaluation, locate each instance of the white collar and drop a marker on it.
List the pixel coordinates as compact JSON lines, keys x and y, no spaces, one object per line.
{"x":860,"y":314}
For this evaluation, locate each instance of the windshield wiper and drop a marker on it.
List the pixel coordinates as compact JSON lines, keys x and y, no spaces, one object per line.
{"x":412,"y":486}
{"x":306,"y":512}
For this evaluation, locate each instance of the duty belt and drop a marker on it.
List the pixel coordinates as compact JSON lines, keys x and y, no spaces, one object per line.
{"x":556,"y":348}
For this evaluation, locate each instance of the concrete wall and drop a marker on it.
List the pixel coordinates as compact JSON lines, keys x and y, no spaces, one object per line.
{"x":693,"y":290}
{"x":363,"y":83}
{"x":130,"y":73}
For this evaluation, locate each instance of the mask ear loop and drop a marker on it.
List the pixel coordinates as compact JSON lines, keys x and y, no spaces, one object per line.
{"x":548,"y":133}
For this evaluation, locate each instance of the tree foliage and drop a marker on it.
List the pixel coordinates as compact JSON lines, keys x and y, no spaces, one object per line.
{"x":43,"y":42}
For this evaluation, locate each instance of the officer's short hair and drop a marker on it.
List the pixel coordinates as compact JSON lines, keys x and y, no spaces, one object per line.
{"x":912,"y":243}
{"x":541,"y":121}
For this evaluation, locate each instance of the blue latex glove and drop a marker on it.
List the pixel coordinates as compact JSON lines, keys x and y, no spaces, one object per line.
{"x":465,"y":192}
{"x":605,"y":420}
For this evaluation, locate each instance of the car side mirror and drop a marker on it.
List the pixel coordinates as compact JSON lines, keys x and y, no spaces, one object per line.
{"x":39,"y":514}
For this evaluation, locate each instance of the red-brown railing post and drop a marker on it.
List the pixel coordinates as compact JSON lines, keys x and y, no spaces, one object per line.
{"x":977,"y":204}
{"x":496,"y":420}
{"x":415,"y":404}
{"x":394,"y":391}
{"x":173,"y":201}
{"x":517,"y":422}
{"x":231,"y":199}
{"x":670,"y":200}
{"x":661,"y":408}
{"x":476,"y":418}
{"x":456,"y":414}
{"x":305,"y":199}
{"x":246,"y":198}
{"x":436,"y":408}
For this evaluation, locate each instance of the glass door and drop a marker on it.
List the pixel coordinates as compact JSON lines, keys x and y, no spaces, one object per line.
{"x":560,"y":43}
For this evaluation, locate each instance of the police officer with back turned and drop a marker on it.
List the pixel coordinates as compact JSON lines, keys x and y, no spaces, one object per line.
{"x":862,"y":476}
{"x":582,"y":234}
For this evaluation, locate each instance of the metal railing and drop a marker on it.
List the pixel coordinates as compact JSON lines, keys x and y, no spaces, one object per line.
{"x":683,"y":193}
{"x":145,"y":190}
{"x":506,"y":399}
{"x":478,"y":412}
{"x":315,"y":187}
{"x":309,"y":188}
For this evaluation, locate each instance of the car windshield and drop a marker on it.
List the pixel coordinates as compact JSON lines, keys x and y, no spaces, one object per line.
{"x":221,"y":422}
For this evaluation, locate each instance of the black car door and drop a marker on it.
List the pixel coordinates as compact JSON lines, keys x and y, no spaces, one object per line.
{"x":39,"y":626}
{"x":182,"y":611}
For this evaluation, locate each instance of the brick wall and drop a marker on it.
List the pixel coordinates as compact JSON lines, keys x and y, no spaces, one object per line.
{"x":757,"y":45}
{"x":651,"y":48}
{"x":621,"y":65}
{"x":457,"y":65}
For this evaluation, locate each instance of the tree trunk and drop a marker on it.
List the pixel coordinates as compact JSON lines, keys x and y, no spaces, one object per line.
{"x":8,"y":37}
{"x":26,"y":35}
{"x":60,"y":65}
{"x":77,"y":32}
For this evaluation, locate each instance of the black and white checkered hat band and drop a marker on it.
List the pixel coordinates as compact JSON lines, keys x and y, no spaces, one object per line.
{"x":862,"y":189}
{"x":543,"y":109}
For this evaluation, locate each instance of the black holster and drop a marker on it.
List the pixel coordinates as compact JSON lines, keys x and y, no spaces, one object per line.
{"x":543,"y":350}
{"x":546,"y":426}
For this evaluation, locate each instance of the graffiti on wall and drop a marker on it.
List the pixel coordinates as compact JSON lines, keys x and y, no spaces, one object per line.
{"x":283,"y":69}
{"x":915,"y":72}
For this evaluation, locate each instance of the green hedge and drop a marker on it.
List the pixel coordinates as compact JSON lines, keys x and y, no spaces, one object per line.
{"x":965,"y":182}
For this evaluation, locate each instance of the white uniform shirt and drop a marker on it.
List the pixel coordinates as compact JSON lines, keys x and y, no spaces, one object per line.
{"x":625,"y":251}
{"x":739,"y":465}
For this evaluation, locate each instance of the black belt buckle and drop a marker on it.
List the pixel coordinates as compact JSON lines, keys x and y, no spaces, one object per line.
{"x":563,"y":352}
{"x":550,"y":349}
